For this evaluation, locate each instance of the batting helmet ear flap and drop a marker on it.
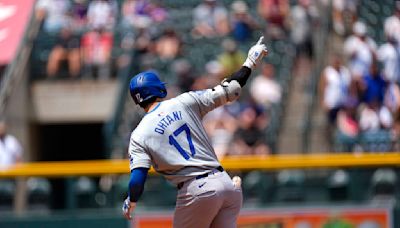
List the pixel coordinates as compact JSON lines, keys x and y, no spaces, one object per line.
{"x":146,"y":85}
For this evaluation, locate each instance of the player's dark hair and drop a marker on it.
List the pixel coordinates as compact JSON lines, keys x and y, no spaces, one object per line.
{"x":146,"y":103}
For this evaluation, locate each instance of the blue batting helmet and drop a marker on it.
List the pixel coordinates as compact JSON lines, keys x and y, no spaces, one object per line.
{"x":146,"y":85}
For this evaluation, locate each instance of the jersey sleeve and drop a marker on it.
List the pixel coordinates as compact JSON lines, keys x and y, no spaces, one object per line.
{"x":138,"y":157}
{"x":204,"y":101}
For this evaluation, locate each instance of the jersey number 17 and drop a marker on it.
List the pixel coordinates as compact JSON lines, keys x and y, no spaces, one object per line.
{"x":172,"y":141}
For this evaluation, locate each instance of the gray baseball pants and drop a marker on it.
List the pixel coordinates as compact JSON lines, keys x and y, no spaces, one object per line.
{"x":212,"y":201}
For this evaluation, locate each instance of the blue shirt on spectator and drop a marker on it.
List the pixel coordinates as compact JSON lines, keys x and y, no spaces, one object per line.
{"x":241,"y":31}
{"x":375,"y":88}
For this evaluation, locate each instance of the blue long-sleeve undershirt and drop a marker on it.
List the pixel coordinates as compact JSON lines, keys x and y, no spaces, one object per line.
{"x":136,"y":183}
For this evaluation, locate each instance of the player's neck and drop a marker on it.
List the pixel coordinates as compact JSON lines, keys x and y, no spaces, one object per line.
{"x":151,"y":106}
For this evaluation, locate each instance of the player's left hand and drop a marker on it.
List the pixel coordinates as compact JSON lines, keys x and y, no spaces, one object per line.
{"x":256,"y":53}
{"x":128,"y":208}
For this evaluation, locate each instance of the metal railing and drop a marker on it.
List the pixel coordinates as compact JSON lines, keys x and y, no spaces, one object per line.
{"x":233,"y":163}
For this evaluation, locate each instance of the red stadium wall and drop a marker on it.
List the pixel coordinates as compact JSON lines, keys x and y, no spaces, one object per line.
{"x":291,"y":218}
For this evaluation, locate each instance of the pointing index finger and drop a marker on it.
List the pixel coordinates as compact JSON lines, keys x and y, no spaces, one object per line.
{"x":260,"y":40}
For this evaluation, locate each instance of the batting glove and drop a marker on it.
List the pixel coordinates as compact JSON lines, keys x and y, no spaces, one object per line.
{"x":256,"y":53}
{"x":128,"y":207}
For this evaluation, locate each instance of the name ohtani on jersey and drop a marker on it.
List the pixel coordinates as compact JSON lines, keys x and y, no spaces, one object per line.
{"x":167,"y":120}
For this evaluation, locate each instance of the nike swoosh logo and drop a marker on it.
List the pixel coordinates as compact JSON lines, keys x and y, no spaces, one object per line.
{"x":202,"y":185}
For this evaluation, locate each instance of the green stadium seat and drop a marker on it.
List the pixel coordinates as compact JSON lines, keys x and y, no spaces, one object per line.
{"x":159,"y":192}
{"x":338,"y":185}
{"x":290,"y":186}
{"x":85,"y":189}
{"x":39,"y":192}
{"x":383,"y":182}
{"x":7,"y":189}
{"x":257,"y":187}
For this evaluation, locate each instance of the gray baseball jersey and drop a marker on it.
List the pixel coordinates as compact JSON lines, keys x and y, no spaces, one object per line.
{"x":172,"y":139}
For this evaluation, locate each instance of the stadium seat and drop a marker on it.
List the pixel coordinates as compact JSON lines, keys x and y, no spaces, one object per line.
{"x":383,"y":182}
{"x":39,"y":191}
{"x":7,"y":189}
{"x":159,"y":192}
{"x":290,"y":186}
{"x":338,"y":185}
{"x":257,"y":187}
{"x":85,"y":190}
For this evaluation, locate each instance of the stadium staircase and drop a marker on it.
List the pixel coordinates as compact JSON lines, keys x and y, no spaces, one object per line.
{"x":313,"y":128}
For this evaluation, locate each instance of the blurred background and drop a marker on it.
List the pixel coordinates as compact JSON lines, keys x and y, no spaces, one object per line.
{"x":328,"y":91}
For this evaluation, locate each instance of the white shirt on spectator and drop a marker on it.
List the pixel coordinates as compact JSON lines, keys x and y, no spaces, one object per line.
{"x":392,"y":97}
{"x":360,"y":53}
{"x":389,"y":55}
{"x":337,"y":84}
{"x":265,"y":90}
{"x":371,"y":120}
{"x":10,"y":151}
{"x":101,"y":14}
{"x":392,"y":27}
{"x":56,"y":14}
{"x":210,"y":16}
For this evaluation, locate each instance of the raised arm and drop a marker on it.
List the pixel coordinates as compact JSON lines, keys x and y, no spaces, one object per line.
{"x":229,"y":90}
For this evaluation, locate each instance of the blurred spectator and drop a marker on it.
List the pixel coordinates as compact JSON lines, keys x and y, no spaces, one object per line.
{"x":242,"y":22}
{"x":79,"y":14}
{"x":157,"y":12}
{"x":389,"y":55}
{"x":249,"y":138}
{"x":212,"y":76}
{"x":274,"y":12}
{"x":10,"y":148}
{"x":102,"y":14}
{"x":127,"y":44}
{"x":66,"y":49}
{"x":184,"y":74}
{"x":374,"y":116}
{"x":54,"y":13}
{"x":373,"y":86}
{"x":135,"y":12}
{"x":334,"y":87}
{"x":347,"y":124}
{"x":392,"y":24}
{"x":231,"y":59}
{"x":360,"y":49}
{"x":168,"y":45}
{"x":392,"y":98}
{"x":344,"y":13}
{"x":210,"y":20}
{"x":96,"y":49}
{"x":264,"y":89}
{"x":301,"y":20}
{"x":220,"y":126}
{"x":143,"y":39}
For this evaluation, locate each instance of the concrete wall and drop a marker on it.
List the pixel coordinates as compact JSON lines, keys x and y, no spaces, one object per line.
{"x":73,"y":101}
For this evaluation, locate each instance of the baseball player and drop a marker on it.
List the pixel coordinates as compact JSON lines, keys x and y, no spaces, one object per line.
{"x":172,"y":139}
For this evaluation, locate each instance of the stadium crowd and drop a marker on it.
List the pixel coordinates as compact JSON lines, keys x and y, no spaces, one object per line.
{"x":360,"y":86}
{"x":96,"y":38}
